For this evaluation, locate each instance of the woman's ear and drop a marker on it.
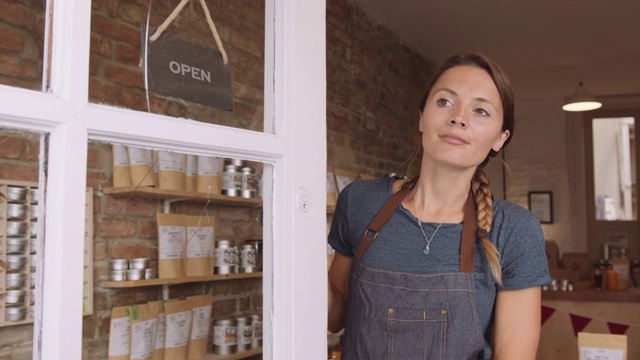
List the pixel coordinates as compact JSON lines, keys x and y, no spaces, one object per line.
{"x":500,"y":141}
{"x":420,"y":122}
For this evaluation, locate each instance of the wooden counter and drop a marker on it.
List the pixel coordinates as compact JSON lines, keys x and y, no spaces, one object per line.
{"x":631,"y":295}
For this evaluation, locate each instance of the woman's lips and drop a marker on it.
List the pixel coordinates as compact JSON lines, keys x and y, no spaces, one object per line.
{"x":453,"y":139}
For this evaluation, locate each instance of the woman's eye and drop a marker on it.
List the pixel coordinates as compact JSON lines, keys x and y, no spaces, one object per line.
{"x":482,"y":112}
{"x":443,"y":102}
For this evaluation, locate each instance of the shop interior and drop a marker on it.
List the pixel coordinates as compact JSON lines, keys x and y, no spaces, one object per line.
{"x":182,"y":238}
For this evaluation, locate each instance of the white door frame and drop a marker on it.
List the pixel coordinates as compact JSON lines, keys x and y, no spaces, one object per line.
{"x":294,"y":202}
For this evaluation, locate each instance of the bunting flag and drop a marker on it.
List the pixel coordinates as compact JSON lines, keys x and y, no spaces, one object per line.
{"x":618,"y":329}
{"x":546,"y":313}
{"x":579,"y":323}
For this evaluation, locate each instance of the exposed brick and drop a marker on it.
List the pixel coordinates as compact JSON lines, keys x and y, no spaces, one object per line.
{"x":124,"y":76}
{"x":101,"y":46}
{"x":11,"y":147}
{"x":109,"y":227}
{"x":26,"y":172}
{"x":134,"y":206}
{"x":127,"y":249}
{"x":11,"y":40}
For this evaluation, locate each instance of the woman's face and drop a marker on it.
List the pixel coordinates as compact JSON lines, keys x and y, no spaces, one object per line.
{"x":462,"y":119}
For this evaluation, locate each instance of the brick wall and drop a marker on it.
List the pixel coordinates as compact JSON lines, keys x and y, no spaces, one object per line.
{"x":374,"y":84}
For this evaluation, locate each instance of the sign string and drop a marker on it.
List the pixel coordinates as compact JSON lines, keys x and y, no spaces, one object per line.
{"x":207,"y":14}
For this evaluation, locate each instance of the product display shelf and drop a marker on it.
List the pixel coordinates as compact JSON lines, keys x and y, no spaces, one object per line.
{"x":180,"y":280}
{"x":164,"y":194}
{"x":236,"y":356}
{"x":27,"y":286}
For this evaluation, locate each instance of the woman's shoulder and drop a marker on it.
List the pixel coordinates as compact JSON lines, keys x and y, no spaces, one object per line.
{"x":512,"y":212}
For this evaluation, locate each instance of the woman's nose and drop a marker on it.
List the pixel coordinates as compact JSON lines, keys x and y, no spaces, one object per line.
{"x":458,"y":119}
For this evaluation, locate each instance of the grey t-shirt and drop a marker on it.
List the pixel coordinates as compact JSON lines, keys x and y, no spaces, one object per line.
{"x":516,"y":233}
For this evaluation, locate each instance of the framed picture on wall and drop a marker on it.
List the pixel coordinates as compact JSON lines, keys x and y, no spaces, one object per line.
{"x":541,"y":203}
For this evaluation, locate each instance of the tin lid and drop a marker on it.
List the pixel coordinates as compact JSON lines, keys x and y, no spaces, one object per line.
{"x":226,"y":321}
{"x":243,"y":319}
{"x":230,"y":168}
{"x":225,"y":242}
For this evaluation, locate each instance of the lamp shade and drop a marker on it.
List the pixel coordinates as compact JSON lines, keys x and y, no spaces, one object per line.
{"x":581,"y":100}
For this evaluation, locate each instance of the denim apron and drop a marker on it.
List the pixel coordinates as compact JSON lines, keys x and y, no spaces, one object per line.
{"x":402,"y":316}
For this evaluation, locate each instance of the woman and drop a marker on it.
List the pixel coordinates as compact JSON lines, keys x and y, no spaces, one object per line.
{"x":448,"y":272}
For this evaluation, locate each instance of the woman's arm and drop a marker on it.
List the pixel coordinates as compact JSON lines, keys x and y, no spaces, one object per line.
{"x":517,"y":324}
{"x":338,"y":291}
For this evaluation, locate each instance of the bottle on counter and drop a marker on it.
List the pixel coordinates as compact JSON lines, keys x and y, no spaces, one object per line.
{"x":611,"y":277}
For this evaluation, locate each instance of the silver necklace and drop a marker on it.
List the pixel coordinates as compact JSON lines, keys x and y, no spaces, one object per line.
{"x":427,"y":249}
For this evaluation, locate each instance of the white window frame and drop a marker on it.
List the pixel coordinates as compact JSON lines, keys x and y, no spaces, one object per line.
{"x":294,"y":144}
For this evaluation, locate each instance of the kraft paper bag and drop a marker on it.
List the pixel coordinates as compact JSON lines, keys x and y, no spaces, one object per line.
{"x":209,"y":178}
{"x":144,"y":320}
{"x":200,"y":245}
{"x":602,"y":346}
{"x":177,"y":329}
{"x":332,"y":190}
{"x":191,"y":173}
{"x":141,"y":166}
{"x":158,"y":343}
{"x":200,"y":326}
{"x":171,"y":245}
{"x":119,"y":334}
{"x":121,"y":171}
{"x":171,"y":170}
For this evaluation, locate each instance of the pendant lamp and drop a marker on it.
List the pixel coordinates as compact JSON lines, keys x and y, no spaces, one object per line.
{"x":581,"y":100}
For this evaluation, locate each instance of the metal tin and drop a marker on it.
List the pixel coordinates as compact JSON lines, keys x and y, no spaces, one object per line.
{"x":135,"y":274}
{"x":249,"y":182}
{"x":16,"y":244}
{"x":225,"y":336}
{"x":33,"y":243}
{"x":16,"y":211}
{"x":256,"y":323}
{"x":235,"y":162}
{"x":231,"y":181}
{"x":15,"y":280}
{"x":15,"y":313}
{"x":257,"y":244}
{"x":139,"y":263}
{"x":33,"y":212}
{"x":149,"y":273}
{"x":119,"y":264}
{"x":33,"y":261}
{"x":118,"y":275}
{"x":16,"y":261}
{"x":14,"y":296}
{"x":248,"y":261}
{"x":32,"y":277}
{"x":33,"y":229}
{"x":245,"y":332}
{"x":16,"y":228}
{"x":227,"y":258}
{"x":16,"y":193}
{"x":33,"y":195}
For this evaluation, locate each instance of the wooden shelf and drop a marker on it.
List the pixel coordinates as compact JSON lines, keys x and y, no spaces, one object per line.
{"x":164,"y":194}
{"x":181,"y":280}
{"x":236,"y":356}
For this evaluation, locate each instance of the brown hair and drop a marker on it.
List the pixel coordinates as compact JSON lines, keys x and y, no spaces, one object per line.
{"x":480,"y":183}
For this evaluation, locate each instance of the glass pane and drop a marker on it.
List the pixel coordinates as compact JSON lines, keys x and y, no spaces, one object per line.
{"x":614,"y":164}
{"x":21,"y":44}
{"x":20,"y":239}
{"x":181,"y":228}
{"x":181,"y":73}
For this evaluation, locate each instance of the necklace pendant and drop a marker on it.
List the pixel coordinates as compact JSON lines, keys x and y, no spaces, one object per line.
{"x":426,"y":250}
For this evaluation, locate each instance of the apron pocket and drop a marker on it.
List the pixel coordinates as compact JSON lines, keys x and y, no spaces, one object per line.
{"x":416,"y":333}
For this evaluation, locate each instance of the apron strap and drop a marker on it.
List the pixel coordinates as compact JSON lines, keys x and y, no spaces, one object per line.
{"x":383,"y":216}
{"x":467,"y":242}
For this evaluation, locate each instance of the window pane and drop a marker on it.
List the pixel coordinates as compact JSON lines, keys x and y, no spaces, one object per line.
{"x":184,"y":66}
{"x":21,"y":43}
{"x":193,"y":225}
{"x":20,"y":239}
{"x":614,"y":164}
